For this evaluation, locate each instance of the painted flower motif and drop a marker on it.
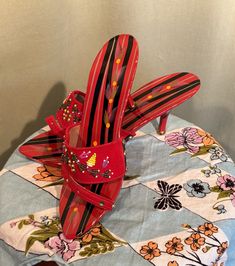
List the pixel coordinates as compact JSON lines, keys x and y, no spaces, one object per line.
{"x":207,"y":138}
{"x":226,"y":182}
{"x":172,"y":263}
{"x":64,"y":247}
{"x":222,"y":248}
{"x":48,"y":173}
{"x":150,"y":251}
{"x":88,"y":236}
{"x":195,"y":241}
{"x":45,"y":220}
{"x":174,"y":245}
{"x":188,"y":138}
{"x":196,"y":188}
{"x":214,"y":170}
{"x":217,"y":153}
{"x":221,"y":209}
{"x":207,"y":172}
{"x":174,"y":139}
{"x":208,"y":229}
{"x":232,"y":197}
{"x":13,"y":224}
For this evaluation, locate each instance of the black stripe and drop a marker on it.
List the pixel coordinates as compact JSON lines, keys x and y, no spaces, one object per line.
{"x":43,"y":138}
{"x":108,"y":83}
{"x":48,"y":141}
{"x":160,"y":84}
{"x":66,"y":209}
{"x":46,"y":137}
{"x":172,"y":91}
{"x":195,"y":83}
{"x":120,"y":84}
{"x":162,"y":96}
{"x":89,"y":208}
{"x":47,"y":156}
{"x":97,"y":91}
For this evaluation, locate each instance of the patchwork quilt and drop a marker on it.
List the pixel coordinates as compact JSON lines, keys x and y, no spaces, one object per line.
{"x":176,"y":207}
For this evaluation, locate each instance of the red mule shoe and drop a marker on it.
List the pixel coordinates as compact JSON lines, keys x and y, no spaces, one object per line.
{"x":155,"y":99}
{"x":93,"y":159}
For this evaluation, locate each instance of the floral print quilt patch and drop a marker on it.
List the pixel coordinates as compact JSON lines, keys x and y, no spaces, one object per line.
{"x":209,"y":192}
{"x":204,"y":245}
{"x":41,"y":233}
{"x":196,"y":142}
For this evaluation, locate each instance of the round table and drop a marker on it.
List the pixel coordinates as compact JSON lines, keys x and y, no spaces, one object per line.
{"x":176,"y":206}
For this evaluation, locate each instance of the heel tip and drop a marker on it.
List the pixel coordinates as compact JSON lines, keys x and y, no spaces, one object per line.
{"x":161,"y":132}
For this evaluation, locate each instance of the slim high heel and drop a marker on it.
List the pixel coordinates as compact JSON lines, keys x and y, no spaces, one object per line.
{"x":162,"y":124}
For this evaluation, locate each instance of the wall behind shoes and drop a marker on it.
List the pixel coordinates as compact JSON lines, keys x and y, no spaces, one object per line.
{"x":47,"y":48}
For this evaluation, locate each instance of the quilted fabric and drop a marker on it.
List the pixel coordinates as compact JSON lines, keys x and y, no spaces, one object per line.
{"x":176,"y":207}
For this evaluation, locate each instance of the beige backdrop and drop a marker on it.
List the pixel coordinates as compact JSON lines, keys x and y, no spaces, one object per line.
{"x":47,"y":47}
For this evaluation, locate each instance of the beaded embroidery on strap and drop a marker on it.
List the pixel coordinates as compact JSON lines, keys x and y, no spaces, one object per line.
{"x":68,"y":114}
{"x":99,"y":164}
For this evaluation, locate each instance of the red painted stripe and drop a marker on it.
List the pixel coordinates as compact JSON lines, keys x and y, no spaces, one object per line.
{"x":127,"y":83}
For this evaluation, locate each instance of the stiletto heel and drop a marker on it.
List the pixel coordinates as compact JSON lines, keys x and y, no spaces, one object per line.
{"x":162,"y":124}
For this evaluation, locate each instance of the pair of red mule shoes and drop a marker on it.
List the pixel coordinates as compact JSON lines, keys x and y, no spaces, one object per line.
{"x":89,"y":131}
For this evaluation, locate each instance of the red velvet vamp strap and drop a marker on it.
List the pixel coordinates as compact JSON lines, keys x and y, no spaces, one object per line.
{"x":85,"y":194}
{"x":93,"y":165}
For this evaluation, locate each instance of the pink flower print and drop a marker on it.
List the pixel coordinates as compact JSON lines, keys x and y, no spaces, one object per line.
{"x":232,"y":197}
{"x":64,"y":247}
{"x":188,"y":138}
{"x":174,"y":139}
{"x":226,"y":182}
